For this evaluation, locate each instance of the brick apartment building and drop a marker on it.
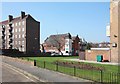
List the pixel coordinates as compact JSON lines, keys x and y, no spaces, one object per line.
{"x":68,"y":45}
{"x":21,"y":33}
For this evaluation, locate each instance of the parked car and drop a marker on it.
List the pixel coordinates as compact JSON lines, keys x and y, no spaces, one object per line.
{"x":54,"y":53}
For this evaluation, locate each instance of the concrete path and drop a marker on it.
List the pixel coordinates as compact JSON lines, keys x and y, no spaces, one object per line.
{"x":107,"y":63}
{"x":43,"y":74}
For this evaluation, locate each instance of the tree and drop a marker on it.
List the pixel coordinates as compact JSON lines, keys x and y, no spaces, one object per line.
{"x":88,"y":46}
{"x":57,"y":42}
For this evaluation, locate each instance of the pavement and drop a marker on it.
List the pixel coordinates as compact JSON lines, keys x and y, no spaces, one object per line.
{"x":43,"y":74}
{"x":107,"y":63}
{"x":11,"y":75}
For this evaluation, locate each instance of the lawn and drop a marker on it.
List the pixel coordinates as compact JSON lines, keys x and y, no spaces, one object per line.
{"x":48,"y":63}
{"x":51,"y":59}
{"x":108,"y":68}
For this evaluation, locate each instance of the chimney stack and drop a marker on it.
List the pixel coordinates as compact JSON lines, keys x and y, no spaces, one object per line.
{"x":10,"y":18}
{"x":22,"y":14}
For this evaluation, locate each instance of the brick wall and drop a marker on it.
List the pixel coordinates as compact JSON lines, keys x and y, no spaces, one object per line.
{"x":91,"y":54}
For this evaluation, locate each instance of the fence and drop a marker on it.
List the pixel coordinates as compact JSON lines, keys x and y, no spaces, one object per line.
{"x":94,"y":75}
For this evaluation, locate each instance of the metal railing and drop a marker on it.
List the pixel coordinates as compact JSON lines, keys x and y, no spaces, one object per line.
{"x":90,"y":74}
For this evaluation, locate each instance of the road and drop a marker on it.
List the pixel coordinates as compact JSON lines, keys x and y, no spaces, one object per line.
{"x":10,"y":74}
{"x":43,"y":74}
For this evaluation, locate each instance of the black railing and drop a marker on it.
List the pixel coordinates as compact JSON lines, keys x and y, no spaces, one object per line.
{"x":100,"y":76}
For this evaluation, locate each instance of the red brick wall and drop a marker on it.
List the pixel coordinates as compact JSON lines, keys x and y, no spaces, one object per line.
{"x":91,"y":54}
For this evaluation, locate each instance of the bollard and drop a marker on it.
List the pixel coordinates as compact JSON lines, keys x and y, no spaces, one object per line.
{"x":74,"y":71}
{"x":57,"y":66}
{"x":101,"y":76}
{"x":44,"y":64}
{"x":34,"y":62}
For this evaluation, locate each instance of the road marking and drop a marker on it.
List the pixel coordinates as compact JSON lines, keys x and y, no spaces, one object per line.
{"x":9,"y":66}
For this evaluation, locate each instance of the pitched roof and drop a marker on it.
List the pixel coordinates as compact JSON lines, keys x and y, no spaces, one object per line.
{"x":14,"y":19}
{"x":55,"y":39}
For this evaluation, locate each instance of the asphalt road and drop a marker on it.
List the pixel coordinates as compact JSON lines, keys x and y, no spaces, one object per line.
{"x":10,"y":74}
{"x":43,"y":74}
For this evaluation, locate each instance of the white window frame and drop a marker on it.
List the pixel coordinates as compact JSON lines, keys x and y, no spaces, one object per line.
{"x":23,"y":36}
{"x":23,"y":22}
{"x":23,"y":29}
{"x":16,"y":24}
{"x":19,"y":36}
{"x":13,"y":30}
{"x":13,"y":25}
{"x":16,"y":30}
{"x":22,"y":42}
{"x":23,"y":49}
{"x":15,"y":36}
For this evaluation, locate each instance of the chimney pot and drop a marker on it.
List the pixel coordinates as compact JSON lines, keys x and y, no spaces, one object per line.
{"x":10,"y":18}
{"x":22,"y":14}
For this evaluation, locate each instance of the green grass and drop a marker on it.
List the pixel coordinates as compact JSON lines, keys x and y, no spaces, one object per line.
{"x":87,"y":74}
{"x":50,"y":59}
{"x":108,"y":68}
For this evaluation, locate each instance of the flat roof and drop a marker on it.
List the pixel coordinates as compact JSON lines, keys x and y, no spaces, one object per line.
{"x":100,"y":48}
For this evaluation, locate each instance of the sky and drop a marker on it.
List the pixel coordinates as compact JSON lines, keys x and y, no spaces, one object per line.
{"x":88,"y":20}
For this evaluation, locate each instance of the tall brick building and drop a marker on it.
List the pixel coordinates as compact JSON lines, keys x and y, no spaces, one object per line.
{"x":115,"y":30}
{"x":21,"y":33}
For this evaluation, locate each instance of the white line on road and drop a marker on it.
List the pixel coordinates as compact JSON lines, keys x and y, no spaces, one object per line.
{"x":13,"y":68}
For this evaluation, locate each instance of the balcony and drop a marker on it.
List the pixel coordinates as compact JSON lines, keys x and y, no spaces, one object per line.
{"x":3,"y":37}
{"x":3,"y":27}
{"x":10,"y":30}
{"x":10,"y":47}
{"x":10,"y":35}
{"x":3,"y":42}
{"x":10,"y":41}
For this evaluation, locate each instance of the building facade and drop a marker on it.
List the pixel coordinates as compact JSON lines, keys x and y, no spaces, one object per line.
{"x":115,"y":30}
{"x":64,"y":43}
{"x":21,"y":33}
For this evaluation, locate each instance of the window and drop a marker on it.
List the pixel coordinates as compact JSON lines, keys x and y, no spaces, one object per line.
{"x":19,"y":42}
{"x":19,"y":36}
{"x":23,"y":29}
{"x":23,"y":36}
{"x":13,"y":30}
{"x":19,"y":23}
{"x":23,"y":49}
{"x":12,"y":25}
{"x":19,"y":29}
{"x":15,"y":36}
{"x":16,"y":24}
{"x":66,"y":45}
{"x":16,"y":30}
{"x":23,"y":23}
{"x":22,"y":42}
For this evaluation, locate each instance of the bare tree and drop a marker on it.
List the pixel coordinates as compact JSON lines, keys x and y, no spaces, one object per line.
{"x":58,"y":42}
